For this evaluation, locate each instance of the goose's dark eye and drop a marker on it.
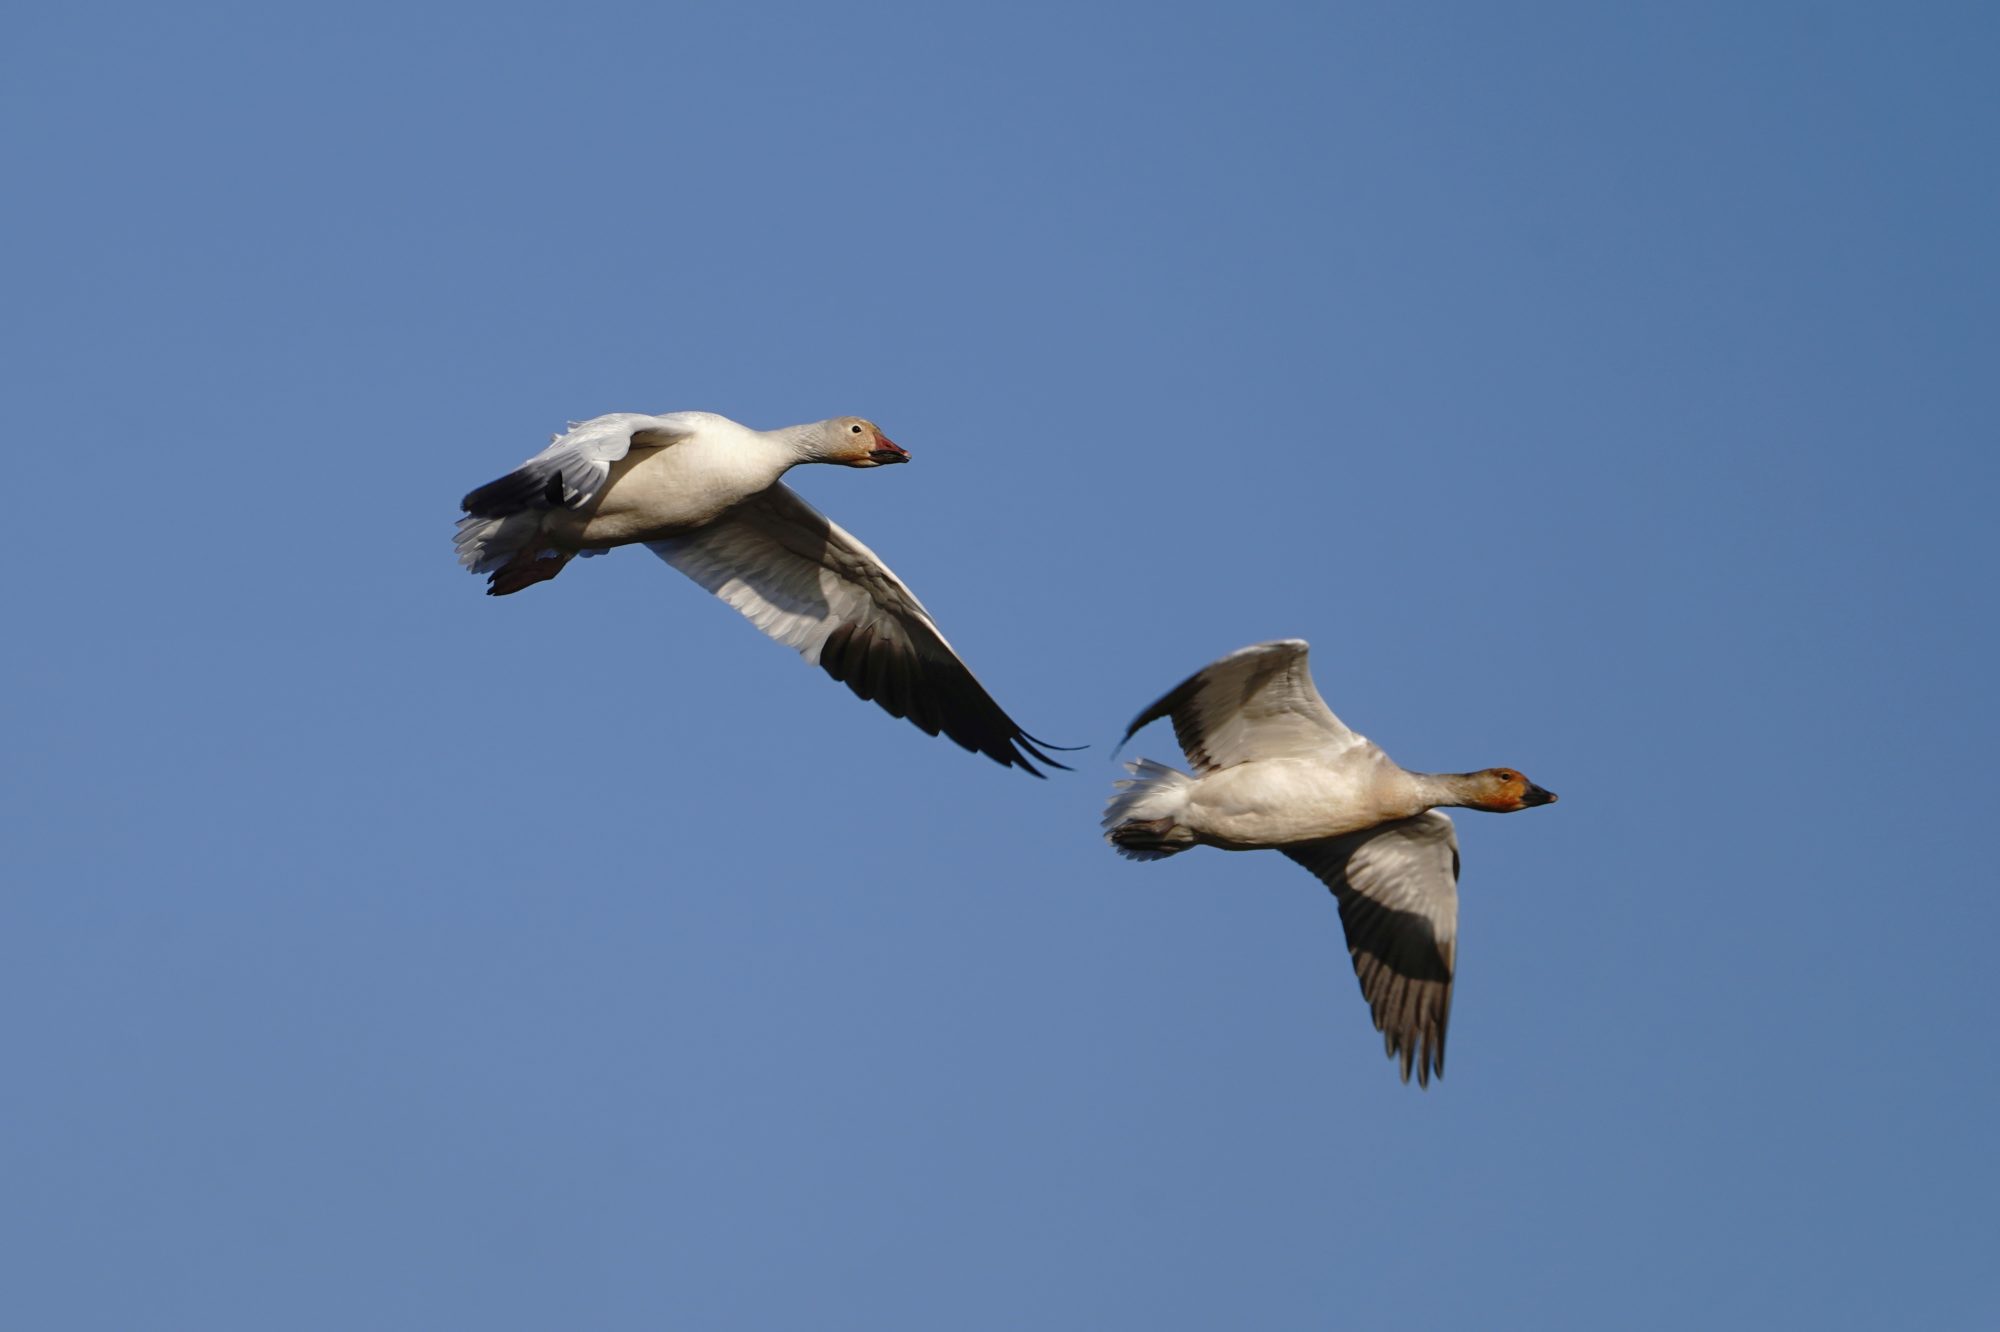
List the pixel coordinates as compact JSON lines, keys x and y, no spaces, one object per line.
{"x":855,"y":429}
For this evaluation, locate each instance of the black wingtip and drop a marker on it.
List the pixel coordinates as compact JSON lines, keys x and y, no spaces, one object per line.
{"x":938,"y":697}
{"x":1018,"y":753}
{"x":523,"y":488}
{"x":1022,"y":741}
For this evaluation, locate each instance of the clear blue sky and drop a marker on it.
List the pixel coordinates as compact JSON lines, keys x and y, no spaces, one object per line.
{"x":1607,"y":391}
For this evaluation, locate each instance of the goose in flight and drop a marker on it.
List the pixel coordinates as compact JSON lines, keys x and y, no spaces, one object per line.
{"x":1274,"y":768}
{"x":704,"y":494}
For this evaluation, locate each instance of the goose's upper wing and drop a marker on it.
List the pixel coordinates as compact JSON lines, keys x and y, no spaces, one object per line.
{"x":800,"y":578}
{"x":572,"y":470}
{"x":1257,"y":702}
{"x":1397,"y":885}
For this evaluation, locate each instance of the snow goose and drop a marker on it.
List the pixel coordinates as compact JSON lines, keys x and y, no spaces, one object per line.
{"x":703,"y":493}
{"x":1274,"y":768}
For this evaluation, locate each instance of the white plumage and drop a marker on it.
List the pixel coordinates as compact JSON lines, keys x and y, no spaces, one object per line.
{"x":704,"y":494}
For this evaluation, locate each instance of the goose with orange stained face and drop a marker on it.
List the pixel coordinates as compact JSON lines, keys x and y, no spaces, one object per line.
{"x":1275,"y":769}
{"x":704,"y":494}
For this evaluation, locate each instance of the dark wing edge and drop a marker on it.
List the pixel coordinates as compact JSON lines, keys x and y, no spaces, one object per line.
{"x":541,"y":483}
{"x":934,"y":691}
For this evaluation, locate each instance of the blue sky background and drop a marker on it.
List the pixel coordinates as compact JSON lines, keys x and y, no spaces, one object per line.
{"x":1604,"y":390}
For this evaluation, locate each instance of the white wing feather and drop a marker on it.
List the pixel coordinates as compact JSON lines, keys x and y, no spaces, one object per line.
{"x":579,"y":462}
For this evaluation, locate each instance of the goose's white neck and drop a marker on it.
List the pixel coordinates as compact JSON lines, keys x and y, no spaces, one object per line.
{"x":801,"y":443}
{"x":1431,"y":789}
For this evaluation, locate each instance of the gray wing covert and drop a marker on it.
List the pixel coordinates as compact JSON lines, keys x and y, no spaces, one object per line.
{"x":1257,"y":702}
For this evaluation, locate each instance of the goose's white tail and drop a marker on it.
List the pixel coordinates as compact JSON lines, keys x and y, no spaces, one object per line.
{"x":508,"y":550}
{"x":484,"y":544}
{"x":1142,"y":820}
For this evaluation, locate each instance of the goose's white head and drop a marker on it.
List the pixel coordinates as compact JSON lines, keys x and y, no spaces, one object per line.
{"x":853,"y":442}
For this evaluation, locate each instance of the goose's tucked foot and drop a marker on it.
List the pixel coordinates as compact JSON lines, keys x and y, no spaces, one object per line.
{"x":1150,"y":839}
{"x":525,"y":570}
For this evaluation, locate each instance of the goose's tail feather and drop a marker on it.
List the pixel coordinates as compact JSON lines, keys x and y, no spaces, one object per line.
{"x":1142,"y":818}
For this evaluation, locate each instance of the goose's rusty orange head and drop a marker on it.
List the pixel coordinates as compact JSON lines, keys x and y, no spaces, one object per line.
{"x":1505,"y":791}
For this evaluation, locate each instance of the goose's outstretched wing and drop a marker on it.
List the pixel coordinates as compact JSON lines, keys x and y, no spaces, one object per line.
{"x":804,"y":581}
{"x":1397,"y":885}
{"x":572,"y":470}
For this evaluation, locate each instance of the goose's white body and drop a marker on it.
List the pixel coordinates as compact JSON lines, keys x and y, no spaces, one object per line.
{"x":1273,"y":802}
{"x":1275,"y":769}
{"x":664,"y":492}
{"x":705,"y":494}
{"x":625,"y":478}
